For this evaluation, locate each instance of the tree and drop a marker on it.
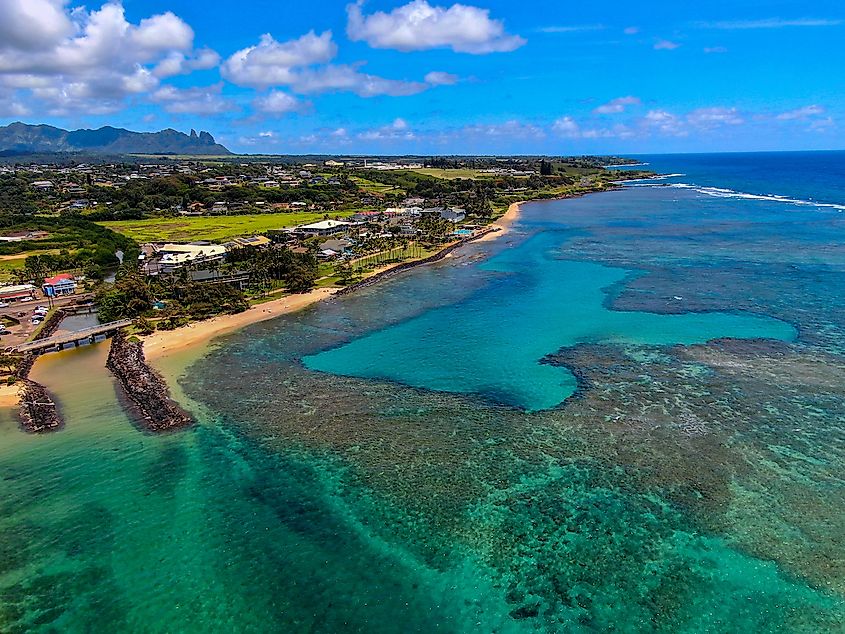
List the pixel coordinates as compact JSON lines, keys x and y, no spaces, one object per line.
{"x":546,"y":168}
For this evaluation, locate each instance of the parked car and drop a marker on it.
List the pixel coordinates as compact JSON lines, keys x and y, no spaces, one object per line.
{"x":5,"y":331}
{"x":4,"y":304}
{"x":26,"y":299}
{"x":37,"y":320}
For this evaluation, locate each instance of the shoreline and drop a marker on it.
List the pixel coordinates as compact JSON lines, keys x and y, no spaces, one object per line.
{"x":165,"y":343}
{"x":162,"y":344}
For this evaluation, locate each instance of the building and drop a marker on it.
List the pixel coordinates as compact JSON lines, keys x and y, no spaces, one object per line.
{"x":16,"y":293}
{"x":58,"y":285}
{"x":323,"y":228}
{"x":172,"y":257}
{"x":453,"y":215}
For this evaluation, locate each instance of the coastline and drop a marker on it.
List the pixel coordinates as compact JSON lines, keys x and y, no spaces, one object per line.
{"x":162,"y":344}
{"x":505,"y":223}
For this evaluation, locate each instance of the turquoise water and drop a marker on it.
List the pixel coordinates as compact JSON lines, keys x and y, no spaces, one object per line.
{"x":494,"y":342}
{"x":692,"y":483}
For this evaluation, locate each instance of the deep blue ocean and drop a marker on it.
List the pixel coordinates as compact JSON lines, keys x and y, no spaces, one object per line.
{"x":803,"y":177}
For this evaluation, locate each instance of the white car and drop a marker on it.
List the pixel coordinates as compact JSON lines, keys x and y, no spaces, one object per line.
{"x":26,"y":299}
{"x":4,"y":304}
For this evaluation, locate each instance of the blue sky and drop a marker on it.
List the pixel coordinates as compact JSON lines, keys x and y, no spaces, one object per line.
{"x":432,"y":76}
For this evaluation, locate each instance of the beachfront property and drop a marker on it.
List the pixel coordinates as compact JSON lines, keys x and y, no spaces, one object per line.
{"x":168,"y":258}
{"x":17,"y":293}
{"x":59,"y":285}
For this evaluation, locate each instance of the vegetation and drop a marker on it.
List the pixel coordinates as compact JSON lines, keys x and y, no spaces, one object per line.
{"x":215,"y":228}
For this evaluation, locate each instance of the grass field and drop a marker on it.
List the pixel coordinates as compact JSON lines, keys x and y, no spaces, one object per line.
{"x":374,"y":187}
{"x":450,"y":174}
{"x":213,"y":228}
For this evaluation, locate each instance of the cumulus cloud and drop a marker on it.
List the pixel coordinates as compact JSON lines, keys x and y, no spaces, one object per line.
{"x":617,"y":105}
{"x":304,"y":66}
{"x":177,"y":63}
{"x":277,"y":103}
{"x":419,"y":26}
{"x":202,"y":100}
{"x":31,"y":25}
{"x":89,"y":60}
{"x":272,"y":63}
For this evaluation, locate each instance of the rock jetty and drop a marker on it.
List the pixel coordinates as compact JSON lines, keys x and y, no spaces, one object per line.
{"x":38,"y":411}
{"x":144,"y":387}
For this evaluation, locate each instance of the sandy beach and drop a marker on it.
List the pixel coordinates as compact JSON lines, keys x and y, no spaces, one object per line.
{"x":162,"y":343}
{"x":504,"y":223}
{"x":9,"y":395}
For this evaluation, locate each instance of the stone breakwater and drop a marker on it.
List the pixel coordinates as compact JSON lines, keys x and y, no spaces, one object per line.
{"x":38,"y":411}
{"x":379,"y":277}
{"x":144,"y":387}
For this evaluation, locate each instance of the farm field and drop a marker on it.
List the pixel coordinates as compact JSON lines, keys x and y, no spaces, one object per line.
{"x":213,"y":228}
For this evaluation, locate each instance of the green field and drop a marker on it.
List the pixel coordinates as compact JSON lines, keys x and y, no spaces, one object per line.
{"x":450,"y":174}
{"x":213,"y":228}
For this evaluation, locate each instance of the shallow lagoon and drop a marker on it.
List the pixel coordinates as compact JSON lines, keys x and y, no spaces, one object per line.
{"x":494,"y":342}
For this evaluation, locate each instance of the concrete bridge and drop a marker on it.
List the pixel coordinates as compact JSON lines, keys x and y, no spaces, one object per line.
{"x":58,"y":342}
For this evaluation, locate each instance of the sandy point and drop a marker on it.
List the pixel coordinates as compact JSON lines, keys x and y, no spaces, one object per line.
{"x":504,"y":224}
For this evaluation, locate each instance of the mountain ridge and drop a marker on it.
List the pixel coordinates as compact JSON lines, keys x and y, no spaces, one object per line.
{"x":24,"y":138}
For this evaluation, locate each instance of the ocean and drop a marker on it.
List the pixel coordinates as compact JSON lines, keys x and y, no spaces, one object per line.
{"x":624,"y":415}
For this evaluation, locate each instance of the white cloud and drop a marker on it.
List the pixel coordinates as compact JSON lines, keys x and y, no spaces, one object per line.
{"x":303,"y":66}
{"x":272,"y":63}
{"x":769,"y":23}
{"x":806,"y":112}
{"x":419,"y":26}
{"x":617,"y":105}
{"x":712,"y":117}
{"x":201,"y":100}
{"x":277,"y":103}
{"x":31,"y":25}
{"x":710,"y":50}
{"x":567,"y":128}
{"x":666,"y":45}
{"x":76,"y":60}
{"x":347,"y":78}
{"x":437,"y":78}
{"x":631,"y":30}
{"x":396,"y":131}
{"x":177,"y":63}
{"x":665,"y":123}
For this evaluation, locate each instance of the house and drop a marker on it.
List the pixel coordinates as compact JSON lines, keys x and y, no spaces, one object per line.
{"x":256,"y":242}
{"x":453,"y":215}
{"x":58,"y":285}
{"x":16,"y":293}
{"x":42,"y":185}
{"x":335,"y":245}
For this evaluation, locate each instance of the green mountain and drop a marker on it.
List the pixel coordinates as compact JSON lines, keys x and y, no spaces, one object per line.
{"x":21,"y":138}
